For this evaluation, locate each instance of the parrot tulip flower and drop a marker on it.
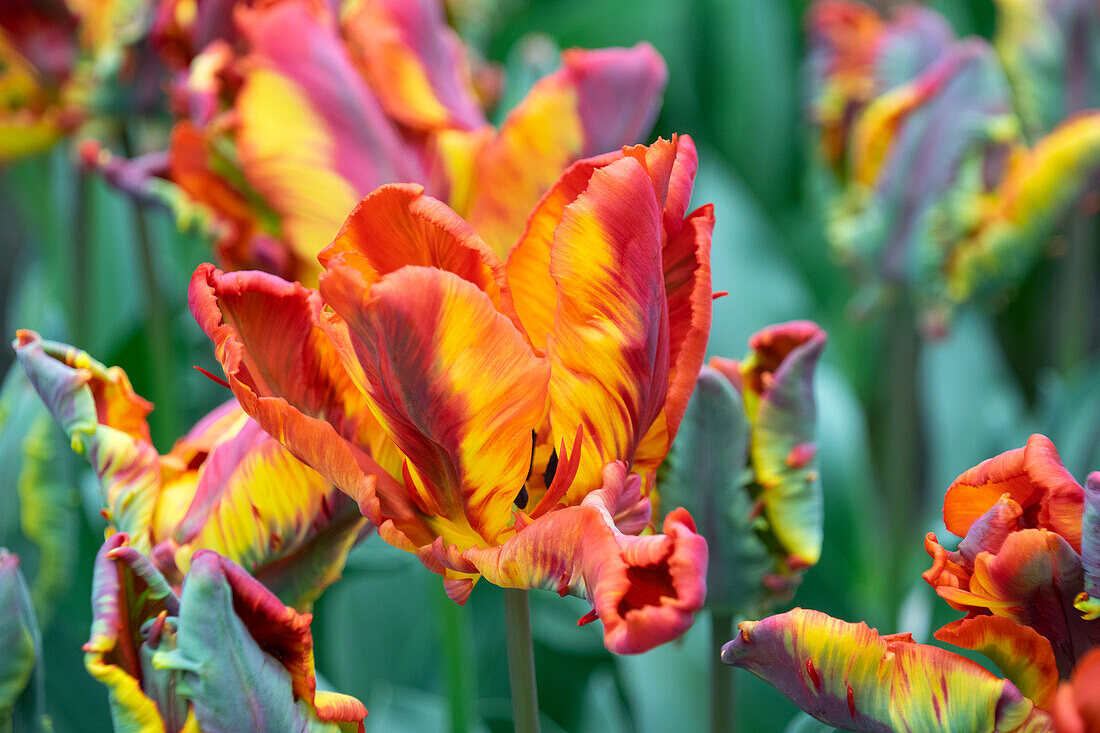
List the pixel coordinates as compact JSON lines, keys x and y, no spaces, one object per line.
{"x":764,"y":526}
{"x":499,"y":419}
{"x":225,"y":486}
{"x":1025,"y":573}
{"x":963,"y":222}
{"x":280,"y":149}
{"x":223,"y":655}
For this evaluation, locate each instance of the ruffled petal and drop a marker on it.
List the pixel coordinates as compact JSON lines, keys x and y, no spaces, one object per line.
{"x":126,"y":592}
{"x":257,"y":505}
{"x":414,"y":62}
{"x":397,"y":225}
{"x":848,"y":676}
{"x":597,"y":102}
{"x":311,"y":136}
{"x":457,"y":388}
{"x":270,"y":337}
{"x":1019,"y":652}
{"x":645,"y":590}
{"x":610,"y":350}
{"x":986,"y":534}
{"x":1031,"y":580}
{"x":1036,"y":480}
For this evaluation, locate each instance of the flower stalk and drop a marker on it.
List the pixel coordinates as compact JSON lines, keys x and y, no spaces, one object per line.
{"x":521,"y":661}
{"x":722,"y":717}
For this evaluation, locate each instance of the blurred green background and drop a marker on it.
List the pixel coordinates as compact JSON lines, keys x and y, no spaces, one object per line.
{"x":892,"y":435}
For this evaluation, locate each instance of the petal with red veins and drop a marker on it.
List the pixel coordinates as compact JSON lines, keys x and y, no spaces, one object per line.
{"x":458,"y":390}
{"x":397,"y":225}
{"x":848,"y":676}
{"x":609,"y":353}
{"x":288,"y":375}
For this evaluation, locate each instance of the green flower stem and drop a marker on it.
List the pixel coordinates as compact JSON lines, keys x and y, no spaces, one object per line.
{"x":1078,"y":279}
{"x":82,"y":224}
{"x":165,"y":419}
{"x":521,"y":661}
{"x":457,"y":663}
{"x":722,"y":717}
{"x":899,"y":445}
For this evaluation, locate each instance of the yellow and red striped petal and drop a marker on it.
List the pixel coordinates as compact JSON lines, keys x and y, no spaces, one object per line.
{"x":257,"y":505}
{"x":848,"y":676}
{"x":597,"y":102}
{"x":458,"y":390}
{"x":397,"y":225}
{"x":645,"y":590}
{"x":311,"y":137}
{"x":1019,"y":652}
{"x":1036,"y":480}
{"x":270,"y":337}
{"x":414,"y":62}
{"x":528,"y":267}
{"x":609,"y":352}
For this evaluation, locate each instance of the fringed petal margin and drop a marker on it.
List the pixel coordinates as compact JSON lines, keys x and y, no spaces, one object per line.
{"x":645,"y":590}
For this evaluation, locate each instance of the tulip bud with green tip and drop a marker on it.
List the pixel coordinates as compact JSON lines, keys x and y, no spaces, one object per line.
{"x":20,"y":671}
{"x":745,"y":465}
{"x":224,"y":655}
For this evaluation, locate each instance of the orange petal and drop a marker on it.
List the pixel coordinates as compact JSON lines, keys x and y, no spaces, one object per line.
{"x":1019,"y":651}
{"x":397,"y":225}
{"x":1036,"y":480}
{"x":457,"y":388}
{"x":270,"y":338}
{"x":610,"y":349}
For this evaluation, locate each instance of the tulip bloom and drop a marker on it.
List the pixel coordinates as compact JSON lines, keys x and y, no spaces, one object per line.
{"x":763,"y":526}
{"x":1025,"y":572}
{"x":963,"y":221}
{"x":225,"y":486}
{"x":499,"y":419}
{"x":223,"y":655}
{"x":280,"y":141}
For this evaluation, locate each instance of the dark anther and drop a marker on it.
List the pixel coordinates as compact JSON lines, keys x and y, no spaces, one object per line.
{"x":551,"y":469}
{"x":521,"y":498}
